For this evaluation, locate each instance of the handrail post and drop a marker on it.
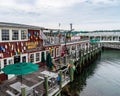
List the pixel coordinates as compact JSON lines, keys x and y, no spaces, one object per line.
{"x":71,"y":74}
{"x":46,"y":85}
{"x":60,"y":83}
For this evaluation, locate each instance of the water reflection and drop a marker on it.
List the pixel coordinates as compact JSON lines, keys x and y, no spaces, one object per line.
{"x":74,"y":88}
{"x":99,"y":79}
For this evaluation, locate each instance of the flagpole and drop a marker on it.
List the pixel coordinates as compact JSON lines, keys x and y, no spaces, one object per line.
{"x":59,"y":32}
{"x":59,"y":35}
{"x":66,"y":42}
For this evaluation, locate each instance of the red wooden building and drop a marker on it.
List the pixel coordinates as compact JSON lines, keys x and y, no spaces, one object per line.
{"x":25,"y":43}
{"x":19,"y":43}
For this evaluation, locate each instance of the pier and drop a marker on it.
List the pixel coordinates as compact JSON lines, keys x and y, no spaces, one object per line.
{"x":85,"y":58}
{"x":45,"y":82}
{"x":67,"y":74}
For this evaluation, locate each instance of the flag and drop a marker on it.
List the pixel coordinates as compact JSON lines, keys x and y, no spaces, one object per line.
{"x":59,"y":35}
{"x":2,"y":48}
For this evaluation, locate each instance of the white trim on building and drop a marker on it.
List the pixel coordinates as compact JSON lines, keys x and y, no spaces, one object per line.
{"x":10,"y":34}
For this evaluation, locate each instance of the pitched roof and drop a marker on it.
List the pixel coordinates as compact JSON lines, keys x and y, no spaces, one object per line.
{"x":5,"y":24}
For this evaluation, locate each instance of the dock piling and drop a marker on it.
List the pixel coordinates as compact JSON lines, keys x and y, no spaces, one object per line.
{"x":60,"y":84}
{"x":23,"y":91}
{"x":71,"y":74}
{"x":46,"y":85}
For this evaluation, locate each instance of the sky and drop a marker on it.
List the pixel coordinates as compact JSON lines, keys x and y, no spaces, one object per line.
{"x":83,"y":14}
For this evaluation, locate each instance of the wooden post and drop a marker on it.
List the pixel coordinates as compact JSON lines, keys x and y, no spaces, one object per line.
{"x":60,"y":61}
{"x":23,"y":91}
{"x":60,"y":85}
{"x":71,"y":74}
{"x":87,"y":58}
{"x":66,"y":59}
{"x":80,"y":57}
{"x":46,"y":85}
{"x":81,"y":62}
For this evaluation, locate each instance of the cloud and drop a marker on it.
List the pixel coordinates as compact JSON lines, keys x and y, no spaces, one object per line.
{"x":49,"y":13}
{"x":43,"y":5}
{"x":58,"y":3}
{"x":106,"y":2}
{"x":103,"y":26}
{"x":38,"y":4}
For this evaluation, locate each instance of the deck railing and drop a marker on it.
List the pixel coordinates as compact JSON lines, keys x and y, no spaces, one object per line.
{"x":47,"y":42}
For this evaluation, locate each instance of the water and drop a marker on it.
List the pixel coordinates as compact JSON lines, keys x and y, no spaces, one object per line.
{"x":102,"y":78}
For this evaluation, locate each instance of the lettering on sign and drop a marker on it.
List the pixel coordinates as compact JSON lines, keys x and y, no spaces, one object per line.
{"x":31,"y":45}
{"x":34,"y":46}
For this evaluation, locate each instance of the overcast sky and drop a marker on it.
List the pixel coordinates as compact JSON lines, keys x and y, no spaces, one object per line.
{"x":84,"y":14}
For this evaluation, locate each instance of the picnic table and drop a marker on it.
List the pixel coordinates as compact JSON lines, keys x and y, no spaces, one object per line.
{"x":51,"y":77}
{"x":50,"y":74}
{"x":17,"y":86}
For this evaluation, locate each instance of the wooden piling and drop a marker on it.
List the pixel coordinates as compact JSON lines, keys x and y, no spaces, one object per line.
{"x":46,"y":85}
{"x":23,"y":91}
{"x":71,"y":74}
{"x":60,"y":83}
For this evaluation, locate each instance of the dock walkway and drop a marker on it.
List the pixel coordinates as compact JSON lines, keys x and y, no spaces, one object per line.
{"x":35,"y":82}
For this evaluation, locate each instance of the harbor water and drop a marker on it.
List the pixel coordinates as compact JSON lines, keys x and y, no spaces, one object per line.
{"x":101,"y":78}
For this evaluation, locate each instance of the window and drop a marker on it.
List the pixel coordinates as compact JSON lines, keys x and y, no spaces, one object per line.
{"x":24,"y":59}
{"x":78,"y":47}
{"x":73,"y":47}
{"x":114,"y":38}
{"x":52,"y":53}
{"x":47,"y":52}
{"x":10,"y":61}
{"x":57,"y":51}
{"x":43,"y":56}
{"x":35,"y":33}
{"x":31,"y":57}
{"x":15,"y":35}
{"x":16,"y":59}
{"x":37,"y":57}
{"x":5,"y":34}
{"x":23,"y":34}
{"x":5,"y":62}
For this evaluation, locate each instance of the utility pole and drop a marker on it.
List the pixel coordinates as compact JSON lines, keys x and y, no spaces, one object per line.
{"x":65,"y":49}
{"x":59,"y":32}
{"x":71,"y":27}
{"x":59,"y":41}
